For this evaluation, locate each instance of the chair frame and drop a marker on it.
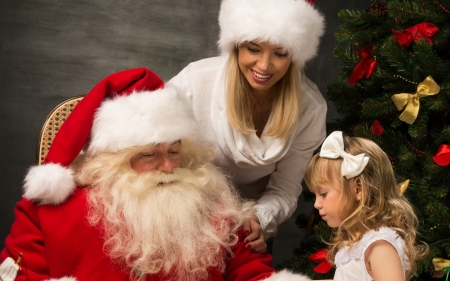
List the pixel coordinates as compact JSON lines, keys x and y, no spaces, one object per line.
{"x":51,"y":126}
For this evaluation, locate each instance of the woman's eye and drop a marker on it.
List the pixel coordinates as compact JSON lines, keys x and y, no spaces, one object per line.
{"x":150,"y":154}
{"x":323,"y":194}
{"x":252,"y":50}
{"x":281,"y":55}
{"x":174,"y":152}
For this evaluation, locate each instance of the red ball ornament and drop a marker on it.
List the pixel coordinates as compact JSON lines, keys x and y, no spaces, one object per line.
{"x":377,"y":129}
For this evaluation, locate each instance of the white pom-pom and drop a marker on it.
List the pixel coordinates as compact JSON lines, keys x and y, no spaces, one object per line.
{"x":286,"y":275}
{"x":49,"y":184}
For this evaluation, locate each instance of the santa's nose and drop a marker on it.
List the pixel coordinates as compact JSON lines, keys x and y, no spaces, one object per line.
{"x":165,"y":164}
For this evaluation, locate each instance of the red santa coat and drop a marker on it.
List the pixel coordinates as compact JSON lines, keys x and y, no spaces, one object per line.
{"x":58,"y":242}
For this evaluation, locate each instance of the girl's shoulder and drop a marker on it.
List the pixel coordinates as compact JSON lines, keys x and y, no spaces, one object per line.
{"x":356,"y":252}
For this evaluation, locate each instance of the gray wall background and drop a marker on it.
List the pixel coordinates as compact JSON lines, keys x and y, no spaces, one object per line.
{"x":51,"y":50}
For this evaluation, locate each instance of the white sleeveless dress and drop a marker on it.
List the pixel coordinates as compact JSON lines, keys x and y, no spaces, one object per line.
{"x":350,"y":264}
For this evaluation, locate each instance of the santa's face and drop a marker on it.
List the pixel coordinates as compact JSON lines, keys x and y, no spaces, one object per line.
{"x":161,"y":157}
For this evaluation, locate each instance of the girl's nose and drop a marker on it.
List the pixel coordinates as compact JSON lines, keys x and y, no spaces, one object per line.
{"x":317,"y":204}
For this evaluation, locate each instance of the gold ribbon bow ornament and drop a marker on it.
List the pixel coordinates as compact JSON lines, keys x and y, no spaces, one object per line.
{"x":410,"y":102}
{"x":439,"y":266}
{"x":403,"y":186}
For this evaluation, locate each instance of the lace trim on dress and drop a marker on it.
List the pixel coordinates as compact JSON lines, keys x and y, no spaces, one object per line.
{"x":344,"y":255}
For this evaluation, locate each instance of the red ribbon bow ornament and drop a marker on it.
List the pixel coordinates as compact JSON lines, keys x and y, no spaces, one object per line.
{"x":365,"y":67}
{"x":419,"y":31}
{"x":442,"y":156}
{"x":324,"y":266}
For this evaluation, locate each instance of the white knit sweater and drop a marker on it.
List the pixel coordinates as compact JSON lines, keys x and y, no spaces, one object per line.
{"x":267,"y":169}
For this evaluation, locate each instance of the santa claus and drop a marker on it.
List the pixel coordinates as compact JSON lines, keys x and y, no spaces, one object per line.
{"x":141,"y":202}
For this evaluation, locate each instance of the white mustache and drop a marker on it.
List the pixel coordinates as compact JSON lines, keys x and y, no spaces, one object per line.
{"x":163,"y":178}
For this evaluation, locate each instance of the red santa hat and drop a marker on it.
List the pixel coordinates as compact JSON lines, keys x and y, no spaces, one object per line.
{"x":128,"y":108}
{"x":293,"y":24}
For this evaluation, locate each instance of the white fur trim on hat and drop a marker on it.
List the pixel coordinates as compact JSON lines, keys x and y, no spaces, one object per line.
{"x":142,"y":118}
{"x":50,"y":183}
{"x":295,"y":25}
{"x":62,"y":279}
{"x":286,"y":275}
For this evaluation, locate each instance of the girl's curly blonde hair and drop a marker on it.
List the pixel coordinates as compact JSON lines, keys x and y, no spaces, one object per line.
{"x":381,"y":204}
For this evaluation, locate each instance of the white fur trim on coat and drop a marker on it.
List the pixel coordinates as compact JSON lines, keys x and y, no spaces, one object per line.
{"x":49,"y":184}
{"x":286,"y":275}
{"x":62,"y":279}
{"x":293,"y":24}
{"x":142,"y":118}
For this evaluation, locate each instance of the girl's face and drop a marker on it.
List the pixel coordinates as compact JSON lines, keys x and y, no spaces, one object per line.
{"x":328,"y":202}
{"x":262,"y":64}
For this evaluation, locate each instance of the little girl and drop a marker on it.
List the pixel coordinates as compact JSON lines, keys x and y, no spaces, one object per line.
{"x":375,"y":226}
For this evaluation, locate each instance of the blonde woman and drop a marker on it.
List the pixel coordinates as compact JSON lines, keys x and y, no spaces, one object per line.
{"x":375,"y":227}
{"x":255,"y":103}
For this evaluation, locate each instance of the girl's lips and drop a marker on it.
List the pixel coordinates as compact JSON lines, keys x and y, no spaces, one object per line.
{"x":260,"y":77}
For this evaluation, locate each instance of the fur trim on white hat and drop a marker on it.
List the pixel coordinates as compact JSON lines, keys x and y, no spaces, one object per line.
{"x":293,"y":24}
{"x":50,"y":183}
{"x":142,"y":118}
{"x":286,"y":275}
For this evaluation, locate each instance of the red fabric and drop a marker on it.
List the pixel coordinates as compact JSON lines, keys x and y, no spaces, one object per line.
{"x":246,"y":265}
{"x":377,"y":129}
{"x":442,"y":156}
{"x":324,"y":266}
{"x":365,"y":67}
{"x":57,"y":241}
{"x":75,"y":131}
{"x":414,"y":33}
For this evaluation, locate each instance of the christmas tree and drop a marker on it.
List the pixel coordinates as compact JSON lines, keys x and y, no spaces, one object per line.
{"x":395,"y":90}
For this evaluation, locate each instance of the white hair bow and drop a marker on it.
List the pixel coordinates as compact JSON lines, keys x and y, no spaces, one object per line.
{"x":333,"y":147}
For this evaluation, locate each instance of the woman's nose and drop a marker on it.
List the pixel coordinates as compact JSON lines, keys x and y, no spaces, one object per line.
{"x":264,"y":62}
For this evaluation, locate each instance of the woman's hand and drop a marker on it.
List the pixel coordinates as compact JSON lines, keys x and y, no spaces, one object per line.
{"x":254,"y":239}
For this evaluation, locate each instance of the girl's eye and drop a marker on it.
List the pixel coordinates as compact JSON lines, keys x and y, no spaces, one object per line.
{"x":323,"y":194}
{"x":149,"y":154}
{"x":174,"y":152}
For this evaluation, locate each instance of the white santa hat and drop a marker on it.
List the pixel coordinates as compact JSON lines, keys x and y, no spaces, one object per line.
{"x":128,"y":108}
{"x":293,"y":24}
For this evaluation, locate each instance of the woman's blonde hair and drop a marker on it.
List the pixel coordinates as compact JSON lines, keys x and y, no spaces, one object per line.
{"x":239,"y":102}
{"x":381,"y":204}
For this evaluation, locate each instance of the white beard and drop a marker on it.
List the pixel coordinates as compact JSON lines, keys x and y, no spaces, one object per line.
{"x":157,"y":223}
